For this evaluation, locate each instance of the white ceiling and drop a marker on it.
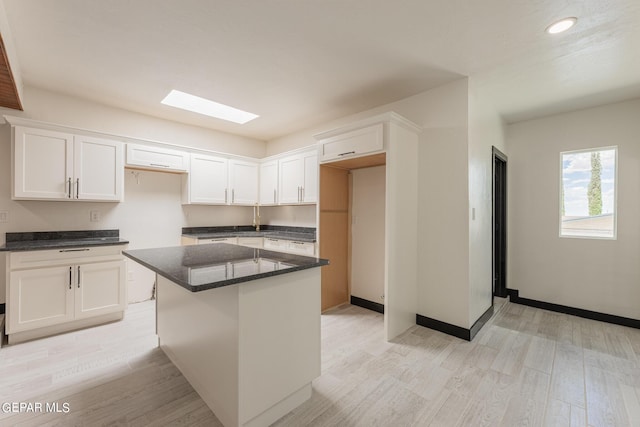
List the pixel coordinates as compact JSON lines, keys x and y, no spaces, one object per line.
{"x":298,"y":63}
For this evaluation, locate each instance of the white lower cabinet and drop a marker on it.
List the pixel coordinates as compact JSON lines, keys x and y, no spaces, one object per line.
{"x":99,"y":288}
{"x":290,"y":246}
{"x":251,"y":242}
{"x":53,"y":291}
{"x":40,"y":297}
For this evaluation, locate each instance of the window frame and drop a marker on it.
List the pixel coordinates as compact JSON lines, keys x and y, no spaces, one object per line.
{"x":615,"y":193}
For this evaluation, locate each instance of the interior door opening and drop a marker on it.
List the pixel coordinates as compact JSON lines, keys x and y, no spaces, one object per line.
{"x":499,"y":224}
{"x":352,"y":232}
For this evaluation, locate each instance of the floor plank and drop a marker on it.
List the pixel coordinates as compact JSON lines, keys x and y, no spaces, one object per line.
{"x":525,"y":367}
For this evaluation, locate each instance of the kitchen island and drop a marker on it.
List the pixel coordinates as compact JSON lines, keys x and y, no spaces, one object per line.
{"x":241,"y":324}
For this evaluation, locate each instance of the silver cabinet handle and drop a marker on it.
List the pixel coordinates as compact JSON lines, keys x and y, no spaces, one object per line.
{"x":225,"y":195}
{"x":69,"y":181}
{"x":159,"y":165}
{"x":78,"y":277}
{"x":302,"y":194}
{"x":74,"y":250}
{"x":70,"y":271}
{"x":274,"y":196}
{"x":347,"y":153}
{"x":233,"y":195}
{"x":77,"y":188}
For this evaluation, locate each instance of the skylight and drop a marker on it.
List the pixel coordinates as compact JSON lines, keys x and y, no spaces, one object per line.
{"x":199,"y":105}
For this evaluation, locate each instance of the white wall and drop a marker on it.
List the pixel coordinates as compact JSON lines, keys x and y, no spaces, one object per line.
{"x":152,"y":214}
{"x":443,"y":195}
{"x":486,"y":129}
{"x":367,"y":233}
{"x":597,"y":275}
{"x":296,"y":216}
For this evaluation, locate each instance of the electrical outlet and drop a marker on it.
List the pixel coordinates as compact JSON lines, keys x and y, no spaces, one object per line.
{"x":4,"y":216}
{"x":95,"y":216}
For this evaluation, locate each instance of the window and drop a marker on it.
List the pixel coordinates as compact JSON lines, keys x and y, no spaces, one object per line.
{"x":588,"y":193}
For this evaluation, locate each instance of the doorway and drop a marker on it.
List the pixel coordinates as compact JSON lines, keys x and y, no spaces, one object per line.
{"x":499,"y":225}
{"x":352,"y":231}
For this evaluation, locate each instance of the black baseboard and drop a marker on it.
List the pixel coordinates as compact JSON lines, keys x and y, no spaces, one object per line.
{"x":481,"y":322}
{"x":456,"y":331}
{"x":514,"y":297}
{"x":361,"y":302}
{"x":1,"y":308}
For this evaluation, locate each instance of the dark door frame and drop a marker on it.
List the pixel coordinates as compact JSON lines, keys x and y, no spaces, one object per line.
{"x":499,"y":223}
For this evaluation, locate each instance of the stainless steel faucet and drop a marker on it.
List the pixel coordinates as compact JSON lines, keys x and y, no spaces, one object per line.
{"x":256,"y":217}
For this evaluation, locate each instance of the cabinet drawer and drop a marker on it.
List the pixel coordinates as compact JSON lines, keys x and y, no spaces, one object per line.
{"x":34,"y":259}
{"x":353,"y":144}
{"x":231,"y":240}
{"x":289,"y":246}
{"x":251,"y":242}
{"x":275,"y":244}
{"x":147,"y":157}
{"x":302,"y":248}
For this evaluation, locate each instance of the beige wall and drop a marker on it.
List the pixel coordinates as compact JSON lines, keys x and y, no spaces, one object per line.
{"x":152,"y":214}
{"x":597,"y":275}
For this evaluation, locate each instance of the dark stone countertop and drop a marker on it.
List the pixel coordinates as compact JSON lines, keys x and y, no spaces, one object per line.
{"x":201,"y":267}
{"x":299,"y":234}
{"x":41,"y":240}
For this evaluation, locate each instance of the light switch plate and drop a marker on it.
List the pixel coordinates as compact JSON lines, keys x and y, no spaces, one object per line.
{"x":4,"y":216}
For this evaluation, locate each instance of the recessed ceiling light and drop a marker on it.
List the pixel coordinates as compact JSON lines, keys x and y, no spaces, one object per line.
{"x":207,"y":107}
{"x":561,"y":25}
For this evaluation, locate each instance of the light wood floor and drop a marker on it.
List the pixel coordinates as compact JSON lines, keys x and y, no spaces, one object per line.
{"x":526,"y":367}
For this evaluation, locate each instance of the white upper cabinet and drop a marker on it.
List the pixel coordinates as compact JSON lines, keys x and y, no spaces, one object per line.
{"x":310,"y":175}
{"x":269,"y":183}
{"x":299,"y":178}
{"x":354,"y":143}
{"x":98,"y":169}
{"x":155,"y":158}
{"x":243,"y":182}
{"x":62,"y":166}
{"x":207,"y":182}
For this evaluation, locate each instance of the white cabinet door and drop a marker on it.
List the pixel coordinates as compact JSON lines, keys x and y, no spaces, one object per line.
{"x":269,"y":183}
{"x":43,"y":164}
{"x":299,"y":179}
{"x":208,"y":180}
{"x":291,"y":178}
{"x":148,"y":157}
{"x":40,"y":297}
{"x":99,"y":288}
{"x":310,"y":184}
{"x":98,"y":169}
{"x":243,"y":181}
{"x":353,"y":144}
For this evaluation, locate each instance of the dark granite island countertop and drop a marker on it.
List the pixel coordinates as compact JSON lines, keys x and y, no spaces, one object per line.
{"x":201,"y":267}
{"x":251,"y":350}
